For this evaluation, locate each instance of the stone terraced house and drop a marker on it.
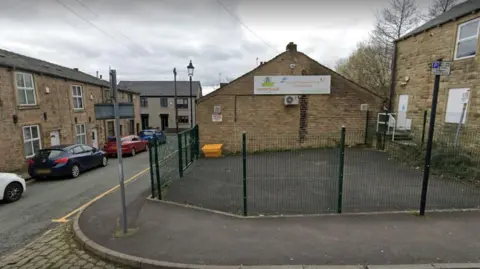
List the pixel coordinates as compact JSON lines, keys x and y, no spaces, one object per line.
{"x":452,"y":36}
{"x":44,"y":104}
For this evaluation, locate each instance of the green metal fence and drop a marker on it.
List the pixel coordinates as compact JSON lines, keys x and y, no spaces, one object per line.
{"x":331,"y":172}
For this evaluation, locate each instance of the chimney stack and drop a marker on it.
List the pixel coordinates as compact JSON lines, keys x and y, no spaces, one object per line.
{"x":76,"y":69}
{"x":291,"y":46}
{"x":100,"y":76}
{"x":222,"y":84}
{"x":97,"y":74}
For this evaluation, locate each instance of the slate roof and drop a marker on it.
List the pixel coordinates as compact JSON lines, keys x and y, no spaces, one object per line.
{"x":25,"y":63}
{"x":161,"y":88}
{"x":457,"y":11}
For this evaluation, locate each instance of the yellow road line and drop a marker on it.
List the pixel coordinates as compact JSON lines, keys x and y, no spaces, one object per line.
{"x":65,"y":218}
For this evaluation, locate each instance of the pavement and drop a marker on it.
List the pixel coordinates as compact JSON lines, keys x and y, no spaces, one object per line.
{"x":181,"y":234}
{"x":55,"y":249}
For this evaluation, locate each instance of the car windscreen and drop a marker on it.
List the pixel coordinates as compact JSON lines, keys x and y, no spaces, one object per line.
{"x":50,"y":154}
{"x":143,"y":133}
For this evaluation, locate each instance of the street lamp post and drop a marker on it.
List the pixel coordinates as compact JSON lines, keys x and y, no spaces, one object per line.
{"x":190,"y":74}
{"x":175,"y":88}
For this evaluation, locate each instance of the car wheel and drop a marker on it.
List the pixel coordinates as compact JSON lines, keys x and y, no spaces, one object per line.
{"x":75,"y":171}
{"x":13,"y":192}
{"x":104,"y":161}
{"x":133,"y":152}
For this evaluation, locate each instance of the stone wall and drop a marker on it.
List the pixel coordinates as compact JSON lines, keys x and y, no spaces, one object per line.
{"x":414,"y":58}
{"x":60,"y":116}
{"x":270,"y":125}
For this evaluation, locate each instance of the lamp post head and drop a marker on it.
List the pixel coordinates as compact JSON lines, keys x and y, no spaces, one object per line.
{"x":175,"y":71}
{"x":190,"y":69}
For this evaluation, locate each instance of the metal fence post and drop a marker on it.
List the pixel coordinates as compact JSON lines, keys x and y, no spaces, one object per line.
{"x":185,"y":148}
{"x":366,"y":128}
{"x":180,"y":163}
{"x":150,"y":159}
{"x":192,"y":142}
{"x":244,"y":165}
{"x":198,"y":142}
{"x":424,"y":125}
{"x":157,"y":167}
{"x":340,"y":170}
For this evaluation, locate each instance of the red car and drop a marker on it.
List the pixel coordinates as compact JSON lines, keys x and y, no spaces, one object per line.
{"x":131,"y":144}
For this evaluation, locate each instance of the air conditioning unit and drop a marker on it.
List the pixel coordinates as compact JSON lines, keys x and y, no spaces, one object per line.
{"x":289,"y":100}
{"x":363,"y":107}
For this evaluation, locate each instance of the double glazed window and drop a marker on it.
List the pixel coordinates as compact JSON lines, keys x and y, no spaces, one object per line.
{"x":182,"y":102}
{"x":25,"y":89}
{"x":31,"y":140}
{"x":467,"y":39}
{"x":80,"y":134}
{"x":77,"y":93}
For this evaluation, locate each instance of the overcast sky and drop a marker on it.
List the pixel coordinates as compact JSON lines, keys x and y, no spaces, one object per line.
{"x":145,"y":39}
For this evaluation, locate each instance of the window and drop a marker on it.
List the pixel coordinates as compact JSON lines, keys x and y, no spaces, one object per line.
{"x":456,"y":100}
{"x":80,"y":134}
{"x":182,"y":119}
{"x":164,"y":102}
{"x":31,"y":140}
{"x":467,"y":39}
{"x":25,"y":89}
{"x":76,"y":150}
{"x":130,"y":98}
{"x":143,"y":102}
{"x":87,"y":148}
{"x":77,"y":94}
{"x":110,"y":128}
{"x":182,"y":102}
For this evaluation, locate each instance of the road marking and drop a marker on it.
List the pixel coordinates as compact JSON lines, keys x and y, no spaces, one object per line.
{"x":65,"y":218}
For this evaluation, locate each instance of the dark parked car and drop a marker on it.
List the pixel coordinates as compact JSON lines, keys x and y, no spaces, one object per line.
{"x":65,"y":161}
{"x":148,"y":134}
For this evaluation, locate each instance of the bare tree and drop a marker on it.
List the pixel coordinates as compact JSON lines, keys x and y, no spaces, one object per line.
{"x":367,"y":67}
{"x":441,"y":6}
{"x":393,"y":22}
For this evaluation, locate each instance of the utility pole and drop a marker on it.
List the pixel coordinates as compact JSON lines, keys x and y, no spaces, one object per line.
{"x":113,"y":86}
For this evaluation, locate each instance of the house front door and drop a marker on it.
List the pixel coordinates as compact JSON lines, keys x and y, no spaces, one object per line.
{"x":95,"y":138}
{"x":54,"y":138}
{"x":402,"y":111}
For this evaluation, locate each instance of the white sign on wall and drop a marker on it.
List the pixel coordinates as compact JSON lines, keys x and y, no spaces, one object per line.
{"x":457,"y":98}
{"x":291,"y":85}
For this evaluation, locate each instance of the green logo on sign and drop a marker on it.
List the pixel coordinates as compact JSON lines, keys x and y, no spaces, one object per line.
{"x":268,"y":83}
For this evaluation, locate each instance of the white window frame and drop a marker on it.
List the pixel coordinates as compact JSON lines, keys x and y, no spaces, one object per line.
{"x":75,"y":97}
{"x":79,"y":134}
{"x":25,"y":88}
{"x":457,"y":41}
{"x":39,"y":138}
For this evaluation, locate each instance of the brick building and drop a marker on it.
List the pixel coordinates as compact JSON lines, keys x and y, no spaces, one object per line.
{"x":452,"y":36}
{"x":43,"y":104}
{"x":267,"y":116}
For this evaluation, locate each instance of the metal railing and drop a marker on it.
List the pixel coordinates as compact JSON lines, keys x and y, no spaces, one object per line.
{"x":391,"y":122}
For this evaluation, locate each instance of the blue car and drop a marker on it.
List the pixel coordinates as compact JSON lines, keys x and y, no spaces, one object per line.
{"x":65,"y":161}
{"x":149,"y":133}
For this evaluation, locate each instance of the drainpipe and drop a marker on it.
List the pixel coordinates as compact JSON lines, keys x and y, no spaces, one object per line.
{"x":393,"y":72}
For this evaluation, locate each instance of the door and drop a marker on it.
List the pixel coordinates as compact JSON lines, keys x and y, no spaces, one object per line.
{"x":54,"y":138}
{"x":164,"y":121}
{"x":95,"y":138}
{"x":402,"y":111}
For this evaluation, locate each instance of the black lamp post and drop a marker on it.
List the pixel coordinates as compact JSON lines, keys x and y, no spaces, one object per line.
{"x":175,"y":88}
{"x":190,"y":74}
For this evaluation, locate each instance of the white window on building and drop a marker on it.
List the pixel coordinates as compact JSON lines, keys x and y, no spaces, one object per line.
{"x":77,"y":94}
{"x":467,"y":39}
{"x":80,"y":134}
{"x":25,"y":89}
{"x":31,"y":140}
{"x":457,"y":99}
